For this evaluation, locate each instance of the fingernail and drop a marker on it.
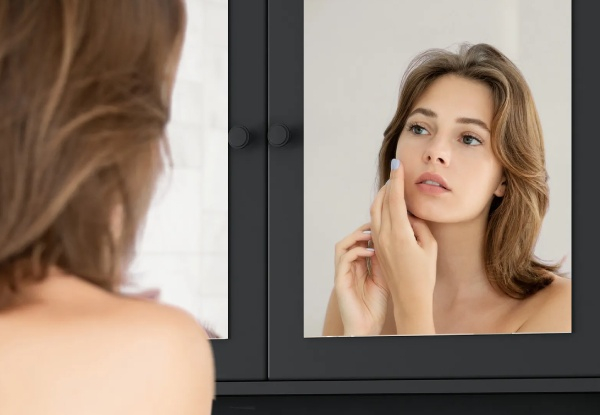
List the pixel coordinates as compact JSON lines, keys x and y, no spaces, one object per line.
{"x":395,"y":164}
{"x":371,"y":249}
{"x":368,"y":232}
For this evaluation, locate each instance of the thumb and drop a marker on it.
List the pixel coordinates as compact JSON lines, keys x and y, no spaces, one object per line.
{"x":396,"y":203}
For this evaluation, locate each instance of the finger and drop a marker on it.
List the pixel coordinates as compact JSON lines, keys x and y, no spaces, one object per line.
{"x":422,"y":233}
{"x":357,"y":244}
{"x":376,"y":211}
{"x":386,"y":220}
{"x":397,"y":204}
{"x":362,"y":234}
{"x":377,"y":276}
{"x":351,"y":256}
{"x":364,"y":227}
{"x":351,"y":239}
{"x":356,"y":253}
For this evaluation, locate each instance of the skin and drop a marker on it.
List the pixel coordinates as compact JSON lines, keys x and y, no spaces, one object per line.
{"x":78,"y":349}
{"x":428,"y":264}
{"x":69,"y":347}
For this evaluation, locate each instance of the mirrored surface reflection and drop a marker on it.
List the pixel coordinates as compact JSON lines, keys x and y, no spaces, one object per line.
{"x":353,"y":66}
{"x":182,"y":255}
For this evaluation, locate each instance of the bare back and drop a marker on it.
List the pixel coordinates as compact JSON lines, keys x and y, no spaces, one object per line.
{"x":75,"y":349}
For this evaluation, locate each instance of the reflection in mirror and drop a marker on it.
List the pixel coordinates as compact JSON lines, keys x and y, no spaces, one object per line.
{"x":471,"y":234}
{"x":182,"y":254}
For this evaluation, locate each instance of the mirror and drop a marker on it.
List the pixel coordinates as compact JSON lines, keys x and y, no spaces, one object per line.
{"x":182,"y":256}
{"x":355,"y":54}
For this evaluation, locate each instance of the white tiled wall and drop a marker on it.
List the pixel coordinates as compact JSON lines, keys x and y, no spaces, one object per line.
{"x":183,"y":250}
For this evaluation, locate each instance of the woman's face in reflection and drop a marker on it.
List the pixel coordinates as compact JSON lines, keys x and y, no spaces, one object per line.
{"x":447,"y":134}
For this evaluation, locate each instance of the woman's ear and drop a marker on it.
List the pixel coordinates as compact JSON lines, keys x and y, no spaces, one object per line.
{"x":501,"y":188}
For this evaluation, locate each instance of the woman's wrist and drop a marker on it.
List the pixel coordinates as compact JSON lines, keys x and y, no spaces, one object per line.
{"x":362,"y":329}
{"x":407,"y":302}
{"x":415,"y":317}
{"x":361,"y":333}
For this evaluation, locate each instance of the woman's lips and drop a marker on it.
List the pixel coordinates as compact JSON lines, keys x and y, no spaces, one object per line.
{"x":431,"y":189}
{"x":436,"y":178}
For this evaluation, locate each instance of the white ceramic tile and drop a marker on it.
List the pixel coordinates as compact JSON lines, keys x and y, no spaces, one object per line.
{"x":186,"y":142}
{"x":216,"y":68}
{"x":173,"y":223}
{"x":187,"y":101}
{"x":176,"y":275}
{"x":215,"y":185}
{"x":214,"y":314}
{"x":214,"y":229}
{"x":215,"y":24}
{"x":193,"y":65}
{"x":214,"y":272}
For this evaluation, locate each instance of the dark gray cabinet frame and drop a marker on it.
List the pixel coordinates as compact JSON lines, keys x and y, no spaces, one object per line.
{"x":243,"y":356}
{"x":429,"y":364}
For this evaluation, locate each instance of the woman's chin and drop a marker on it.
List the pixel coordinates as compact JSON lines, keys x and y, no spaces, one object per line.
{"x":427,"y":215}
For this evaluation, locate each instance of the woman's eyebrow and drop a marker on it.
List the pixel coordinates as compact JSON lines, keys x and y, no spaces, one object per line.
{"x":462,"y":120}
{"x":465,"y":120}
{"x":425,"y":111}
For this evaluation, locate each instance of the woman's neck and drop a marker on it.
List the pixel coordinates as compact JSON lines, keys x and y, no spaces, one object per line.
{"x":460,"y":266}
{"x":57,"y":287}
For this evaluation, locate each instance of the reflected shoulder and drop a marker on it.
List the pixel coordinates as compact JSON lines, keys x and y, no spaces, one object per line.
{"x":553,"y":315}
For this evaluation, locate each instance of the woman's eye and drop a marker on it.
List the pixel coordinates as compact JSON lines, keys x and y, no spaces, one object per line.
{"x":470,"y":140}
{"x":417,"y":129}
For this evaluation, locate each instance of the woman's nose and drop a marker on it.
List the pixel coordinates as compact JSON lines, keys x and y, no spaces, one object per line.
{"x":437,"y":151}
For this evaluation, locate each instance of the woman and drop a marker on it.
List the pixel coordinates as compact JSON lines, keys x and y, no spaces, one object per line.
{"x":85,"y":90}
{"x":463,"y":191}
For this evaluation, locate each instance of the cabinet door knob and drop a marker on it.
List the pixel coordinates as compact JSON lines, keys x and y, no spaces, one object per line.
{"x":238,"y":137}
{"x":278,"y":135}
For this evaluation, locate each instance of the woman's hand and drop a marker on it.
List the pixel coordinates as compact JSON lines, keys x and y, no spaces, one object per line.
{"x":407,"y":254}
{"x":362,"y":298}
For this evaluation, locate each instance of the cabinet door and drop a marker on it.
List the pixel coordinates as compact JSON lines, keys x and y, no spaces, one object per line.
{"x":205,"y":243}
{"x":242,"y":356}
{"x":294,"y":356}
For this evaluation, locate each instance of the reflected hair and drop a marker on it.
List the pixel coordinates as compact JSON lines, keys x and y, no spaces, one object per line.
{"x":514,"y":220}
{"x":85,"y":91}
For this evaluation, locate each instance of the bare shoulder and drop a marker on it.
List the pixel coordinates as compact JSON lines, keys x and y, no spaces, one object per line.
{"x":552,"y":309}
{"x":182,"y":363}
{"x":157,"y":318}
{"x":119,"y":355}
{"x":170,"y":329}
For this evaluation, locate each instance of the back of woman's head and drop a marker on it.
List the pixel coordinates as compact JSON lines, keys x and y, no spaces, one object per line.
{"x":515,"y":220}
{"x":85,"y":92}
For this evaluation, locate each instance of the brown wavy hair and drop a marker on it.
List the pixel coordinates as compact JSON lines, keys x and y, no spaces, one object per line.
{"x":515,"y":219}
{"x":85,"y":91}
